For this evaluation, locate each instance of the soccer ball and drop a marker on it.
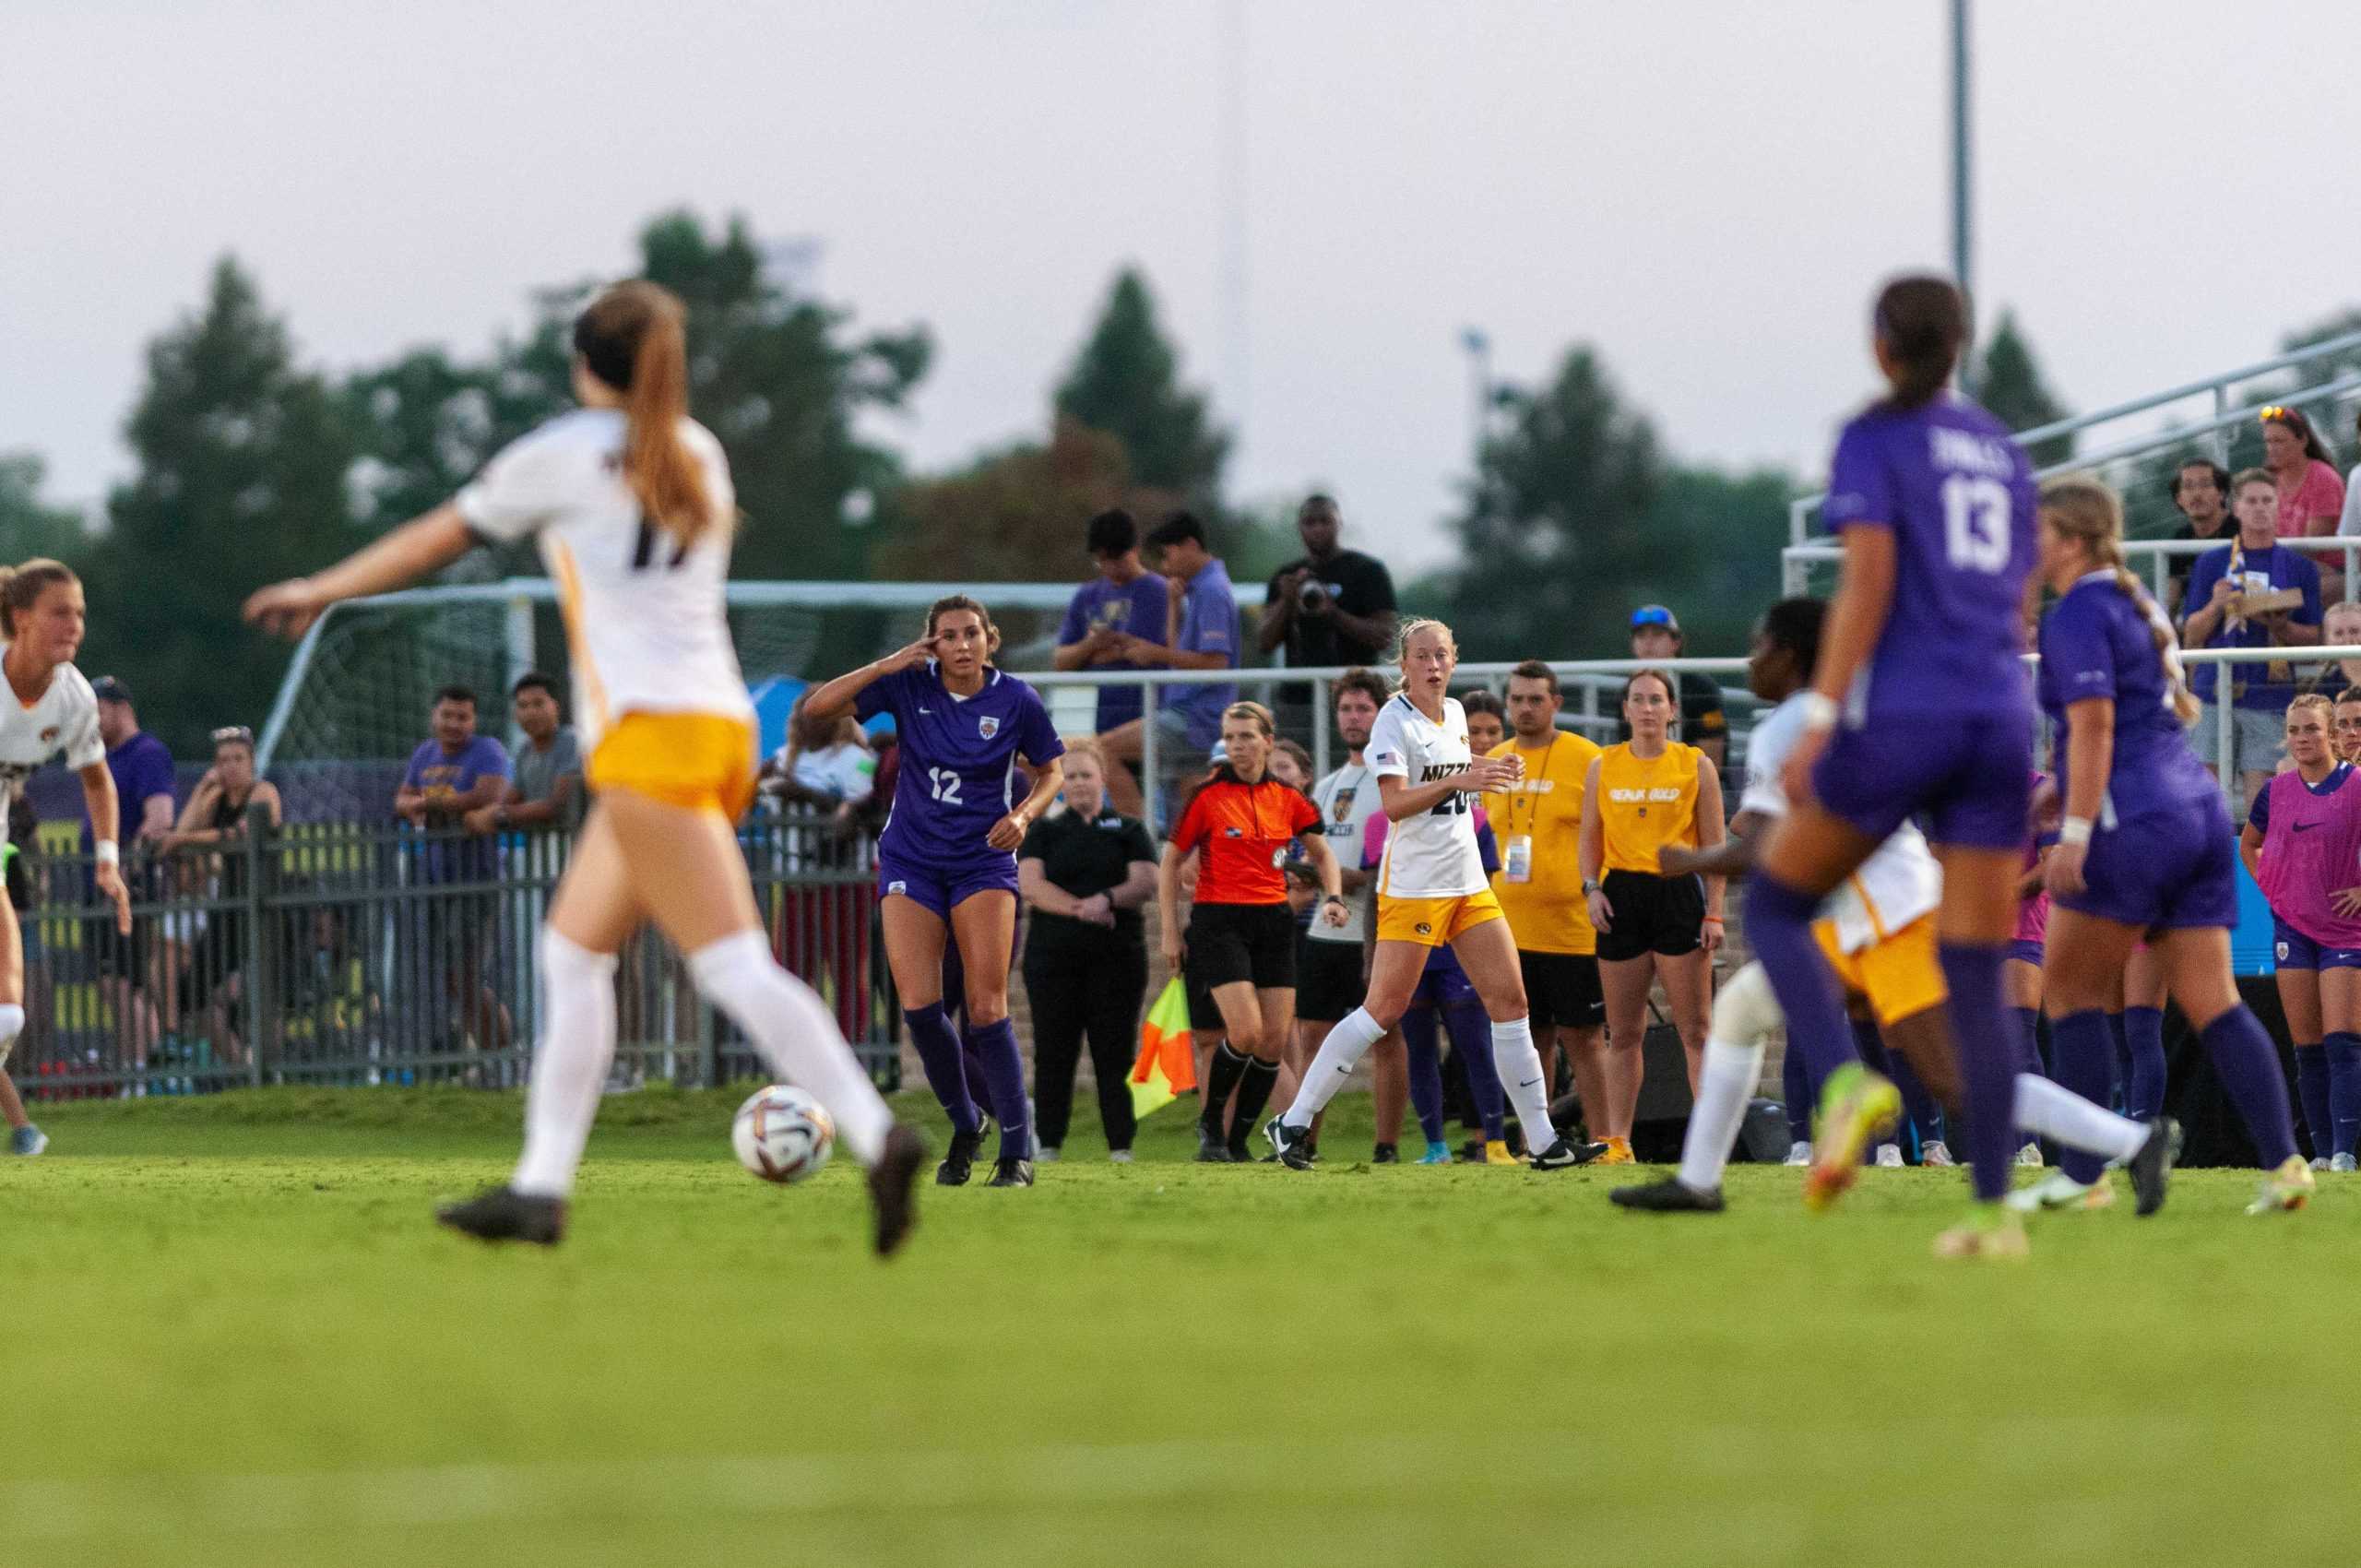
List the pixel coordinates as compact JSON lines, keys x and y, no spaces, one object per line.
{"x":782,"y":1133}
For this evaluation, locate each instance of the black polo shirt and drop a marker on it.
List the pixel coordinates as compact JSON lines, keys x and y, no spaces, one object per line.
{"x":1701,"y":717}
{"x":1084,"y":856}
{"x":1357,"y":584}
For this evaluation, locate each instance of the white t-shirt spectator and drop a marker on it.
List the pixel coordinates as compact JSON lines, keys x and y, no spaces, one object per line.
{"x":845,"y":774}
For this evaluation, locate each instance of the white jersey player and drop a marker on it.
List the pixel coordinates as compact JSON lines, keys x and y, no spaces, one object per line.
{"x":51,"y":711}
{"x":1876,"y":930}
{"x":1432,"y":890}
{"x":631,"y":503}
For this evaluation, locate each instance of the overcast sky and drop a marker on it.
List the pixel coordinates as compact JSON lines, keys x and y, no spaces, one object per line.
{"x":1708,"y":192}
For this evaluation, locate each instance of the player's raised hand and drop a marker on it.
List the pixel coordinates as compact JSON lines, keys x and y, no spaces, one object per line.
{"x":1488,"y":773}
{"x":911,"y":657}
{"x":287,"y":608}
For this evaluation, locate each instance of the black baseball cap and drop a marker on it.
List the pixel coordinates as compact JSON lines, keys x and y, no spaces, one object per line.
{"x":106,"y":688}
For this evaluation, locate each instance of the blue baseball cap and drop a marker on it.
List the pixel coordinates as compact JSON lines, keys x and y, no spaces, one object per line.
{"x":1654,"y":615}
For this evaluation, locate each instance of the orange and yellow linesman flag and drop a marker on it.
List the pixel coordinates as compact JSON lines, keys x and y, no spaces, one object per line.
{"x":1166,"y":1067}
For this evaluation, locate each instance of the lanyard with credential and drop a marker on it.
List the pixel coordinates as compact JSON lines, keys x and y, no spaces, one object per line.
{"x":1516,"y":855}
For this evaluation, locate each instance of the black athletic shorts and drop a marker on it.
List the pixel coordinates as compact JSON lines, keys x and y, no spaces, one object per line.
{"x":1652,"y":914}
{"x":1328,"y":982}
{"x":1562,"y":990}
{"x":1228,"y":943}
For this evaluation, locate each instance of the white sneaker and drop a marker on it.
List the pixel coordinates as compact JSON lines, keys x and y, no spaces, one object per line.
{"x":1936,"y":1152}
{"x":1889,"y":1156}
{"x":1045,"y":1153}
{"x":1798,"y":1153}
{"x":2057,"y":1191}
{"x":2030,"y":1157}
{"x":2343,"y":1162}
{"x":2319,"y":1164}
{"x":1120,"y":1156}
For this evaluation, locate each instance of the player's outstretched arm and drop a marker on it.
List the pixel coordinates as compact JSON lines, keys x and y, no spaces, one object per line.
{"x":834,"y":699}
{"x":1734,"y":856}
{"x":418,"y":548}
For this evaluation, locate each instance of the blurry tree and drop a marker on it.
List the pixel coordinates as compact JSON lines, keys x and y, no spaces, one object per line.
{"x":2008,"y":381}
{"x":30,"y":526}
{"x":1016,"y":515}
{"x":1126,"y":382}
{"x":1730,"y":528}
{"x":1559,"y":536}
{"x":242,"y":462}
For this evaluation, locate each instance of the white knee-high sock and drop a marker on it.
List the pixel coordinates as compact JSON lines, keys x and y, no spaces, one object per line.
{"x":570,"y":1063}
{"x":1723,"y":1088}
{"x":2052,"y":1111}
{"x":1519,"y":1065}
{"x":794,"y":1032}
{"x":1339,"y":1054}
{"x":1744,"y":1013}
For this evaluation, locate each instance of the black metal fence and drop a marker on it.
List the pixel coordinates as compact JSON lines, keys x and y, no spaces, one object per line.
{"x":352,"y":953}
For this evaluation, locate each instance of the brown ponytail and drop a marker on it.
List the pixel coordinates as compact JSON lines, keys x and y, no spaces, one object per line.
{"x":21,"y":588}
{"x":2081,"y":507}
{"x":634,"y":338}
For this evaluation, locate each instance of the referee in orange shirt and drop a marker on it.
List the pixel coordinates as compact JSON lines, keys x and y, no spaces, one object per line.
{"x":1538,"y":823}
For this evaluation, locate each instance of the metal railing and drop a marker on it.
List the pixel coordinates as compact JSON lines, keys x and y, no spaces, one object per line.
{"x":352,"y":953}
{"x":2153,"y":556}
{"x":2217,"y":387}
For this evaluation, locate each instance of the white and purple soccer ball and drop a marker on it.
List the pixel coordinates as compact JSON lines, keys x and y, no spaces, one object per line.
{"x":783,"y":1135}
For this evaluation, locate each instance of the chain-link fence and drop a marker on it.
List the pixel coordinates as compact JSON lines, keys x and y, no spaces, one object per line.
{"x":348,"y":953}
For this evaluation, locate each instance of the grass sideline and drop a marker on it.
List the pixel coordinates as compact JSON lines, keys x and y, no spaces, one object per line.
{"x":234,"y":1339}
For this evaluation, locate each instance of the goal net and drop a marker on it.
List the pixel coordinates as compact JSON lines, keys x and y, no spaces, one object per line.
{"x":356,"y":698}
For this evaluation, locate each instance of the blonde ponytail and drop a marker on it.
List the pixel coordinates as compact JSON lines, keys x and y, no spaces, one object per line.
{"x":634,"y":338}
{"x":2081,"y":507}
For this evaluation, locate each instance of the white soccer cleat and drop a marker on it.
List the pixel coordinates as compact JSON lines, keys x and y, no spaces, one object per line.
{"x":2057,"y":1190}
{"x":1798,"y":1153}
{"x":1936,"y":1152}
{"x":2030,"y":1157}
{"x":2343,"y":1162}
{"x":1889,"y":1156}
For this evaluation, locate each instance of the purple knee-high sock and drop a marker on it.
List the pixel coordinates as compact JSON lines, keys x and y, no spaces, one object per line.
{"x":2311,"y":1091}
{"x":1778,"y":927}
{"x":947,"y":1073}
{"x":2024,"y":1040}
{"x":2344,"y":1092}
{"x":2120,"y":1070}
{"x":2083,"y":1049}
{"x":2248,"y":1065}
{"x":1004,"y":1069}
{"x":1471,"y":1042}
{"x":1987,"y":1064}
{"x":2143,"y":1088}
{"x":1426,"y":1070}
{"x":1796,"y":1083}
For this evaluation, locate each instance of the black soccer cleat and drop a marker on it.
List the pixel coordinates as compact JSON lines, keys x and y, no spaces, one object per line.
{"x":1293,"y":1147}
{"x":960,"y":1161}
{"x":1211,"y":1148}
{"x":1010,"y":1172}
{"x":1564,"y":1155}
{"x":1385,"y":1154}
{"x":2152,"y":1168}
{"x":1668,"y":1197}
{"x":893,"y":1184}
{"x":503,"y":1214}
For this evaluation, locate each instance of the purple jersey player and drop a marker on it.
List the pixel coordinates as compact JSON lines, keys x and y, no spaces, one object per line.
{"x":946,"y":865}
{"x":2302,"y":842}
{"x":2144,"y":848}
{"x":1918,"y":709}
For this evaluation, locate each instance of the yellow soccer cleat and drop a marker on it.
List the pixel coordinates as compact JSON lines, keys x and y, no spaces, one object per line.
{"x":1989,"y":1232}
{"x":1857,"y":1107}
{"x":1618,"y":1152}
{"x":2290,"y":1187}
{"x":1496,"y":1152}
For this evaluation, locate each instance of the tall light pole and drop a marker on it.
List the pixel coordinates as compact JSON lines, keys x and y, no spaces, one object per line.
{"x":1961,"y":197}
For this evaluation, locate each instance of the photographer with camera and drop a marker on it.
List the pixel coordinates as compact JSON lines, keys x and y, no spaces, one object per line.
{"x":1332,"y":606}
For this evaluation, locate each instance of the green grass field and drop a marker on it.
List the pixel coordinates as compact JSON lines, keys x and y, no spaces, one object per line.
{"x":233,"y":1337}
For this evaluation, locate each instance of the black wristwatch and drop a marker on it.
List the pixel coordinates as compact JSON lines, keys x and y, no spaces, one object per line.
{"x":1589,"y":886}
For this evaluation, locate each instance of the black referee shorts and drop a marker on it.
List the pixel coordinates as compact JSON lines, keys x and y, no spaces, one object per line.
{"x":1328,"y":980}
{"x":1562,"y":990}
{"x":1228,"y":943}
{"x":1651,"y":914}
